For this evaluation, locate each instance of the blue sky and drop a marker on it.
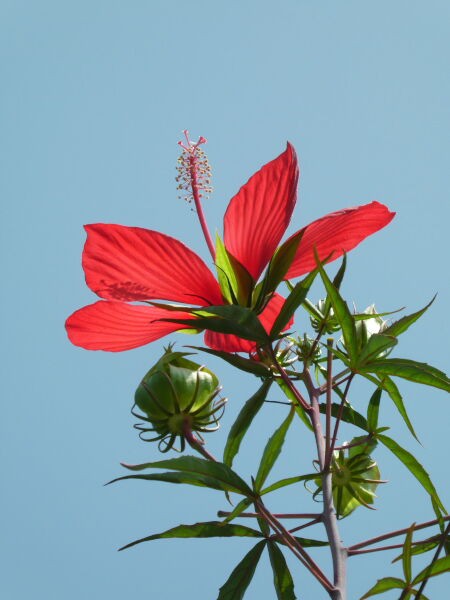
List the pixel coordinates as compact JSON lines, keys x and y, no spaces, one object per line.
{"x":94,"y":98}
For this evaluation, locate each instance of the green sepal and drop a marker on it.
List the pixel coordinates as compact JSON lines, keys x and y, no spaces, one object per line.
{"x":208,"y":529}
{"x":272,"y":451}
{"x":277,"y":269}
{"x":243,"y":422}
{"x":282,"y":578}
{"x":405,"y":322}
{"x":221,"y":473}
{"x":410,"y":370}
{"x":239,"y":580}
{"x":384,"y":585}
{"x":235,"y":281}
{"x":414,"y":467}
{"x":244,"y":364}
{"x":230,"y":319}
{"x":292,"y":302}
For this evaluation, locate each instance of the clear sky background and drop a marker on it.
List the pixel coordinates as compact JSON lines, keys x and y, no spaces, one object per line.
{"x":94,"y":97}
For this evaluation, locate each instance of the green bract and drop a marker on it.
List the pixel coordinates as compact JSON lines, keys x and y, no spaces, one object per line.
{"x":177,"y":397}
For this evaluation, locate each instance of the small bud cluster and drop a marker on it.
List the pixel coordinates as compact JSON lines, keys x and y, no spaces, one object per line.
{"x":324,"y":319}
{"x":194,"y":170}
{"x":306,"y":349}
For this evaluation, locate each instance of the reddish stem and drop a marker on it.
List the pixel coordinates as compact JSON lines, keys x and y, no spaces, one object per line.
{"x":198,"y":204}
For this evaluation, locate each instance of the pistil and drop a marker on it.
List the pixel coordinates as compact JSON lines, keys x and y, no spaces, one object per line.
{"x":194,"y":177}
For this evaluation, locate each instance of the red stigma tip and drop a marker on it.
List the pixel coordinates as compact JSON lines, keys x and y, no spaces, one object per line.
{"x":189,"y":145}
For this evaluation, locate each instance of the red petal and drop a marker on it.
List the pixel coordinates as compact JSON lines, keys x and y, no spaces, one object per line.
{"x":259,"y":214}
{"x":116,"y":326}
{"x":232,"y":343}
{"x":131,"y":263}
{"x":337,"y":233}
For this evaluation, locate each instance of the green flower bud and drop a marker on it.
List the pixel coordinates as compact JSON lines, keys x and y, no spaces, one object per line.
{"x":303,"y":346}
{"x":326,"y":322}
{"x":177,"y":397}
{"x":355,"y":477}
{"x":368,"y":327}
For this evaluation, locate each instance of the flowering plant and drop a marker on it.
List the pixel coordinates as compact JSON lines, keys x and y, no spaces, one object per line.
{"x":248,"y":323}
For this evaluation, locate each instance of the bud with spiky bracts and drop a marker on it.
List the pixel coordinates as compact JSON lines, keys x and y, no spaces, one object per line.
{"x":323,"y":320}
{"x":177,"y":397}
{"x":355,"y":477}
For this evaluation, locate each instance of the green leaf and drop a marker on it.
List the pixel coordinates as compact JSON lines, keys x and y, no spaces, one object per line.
{"x":384,"y":585}
{"x":272,"y":451}
{"x":413,"y":465}
{"x":343,"y":316}
{"x":176,"y":477}
{"x":235,"y":281}
{"x":388,"y":385}
{"x":243,"y":422}
{"x":238,"y":509}
{"x":200,"y":530}
{"x":406,"y":556}
{"x":244,"y":364}
{"x":373,"y":409}
{"x":410,"y":370}
{"x":442,"y":565}
{"x":418,"y":548}
{"x":239,"y":580}
{"x":291,"y":396}
{"x":282,"y":578}
{"x":231,"y":319}
{"x":307,"y":543}
{"x":338,"y":278}
{"x":287,"y":481}
{"x":349,"y":415}
{"x":292,"y":302}
{"x":405,"y":322}
{"x":224,"y":477}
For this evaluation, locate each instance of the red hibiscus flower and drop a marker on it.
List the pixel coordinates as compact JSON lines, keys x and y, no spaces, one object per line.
{"x":123,"y":265}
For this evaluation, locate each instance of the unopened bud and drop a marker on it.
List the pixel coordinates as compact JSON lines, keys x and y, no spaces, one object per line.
{"x":177,"y":397}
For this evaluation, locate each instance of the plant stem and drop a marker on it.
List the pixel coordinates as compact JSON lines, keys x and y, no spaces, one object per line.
{"x":329,"y":453}
{"x":299,"y":398}
{"x":294,"y":545}
{"x":338,"y":552}
{"x":387,"y":536}
{"x":329,"y":391}
{"x":196,"y":444}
